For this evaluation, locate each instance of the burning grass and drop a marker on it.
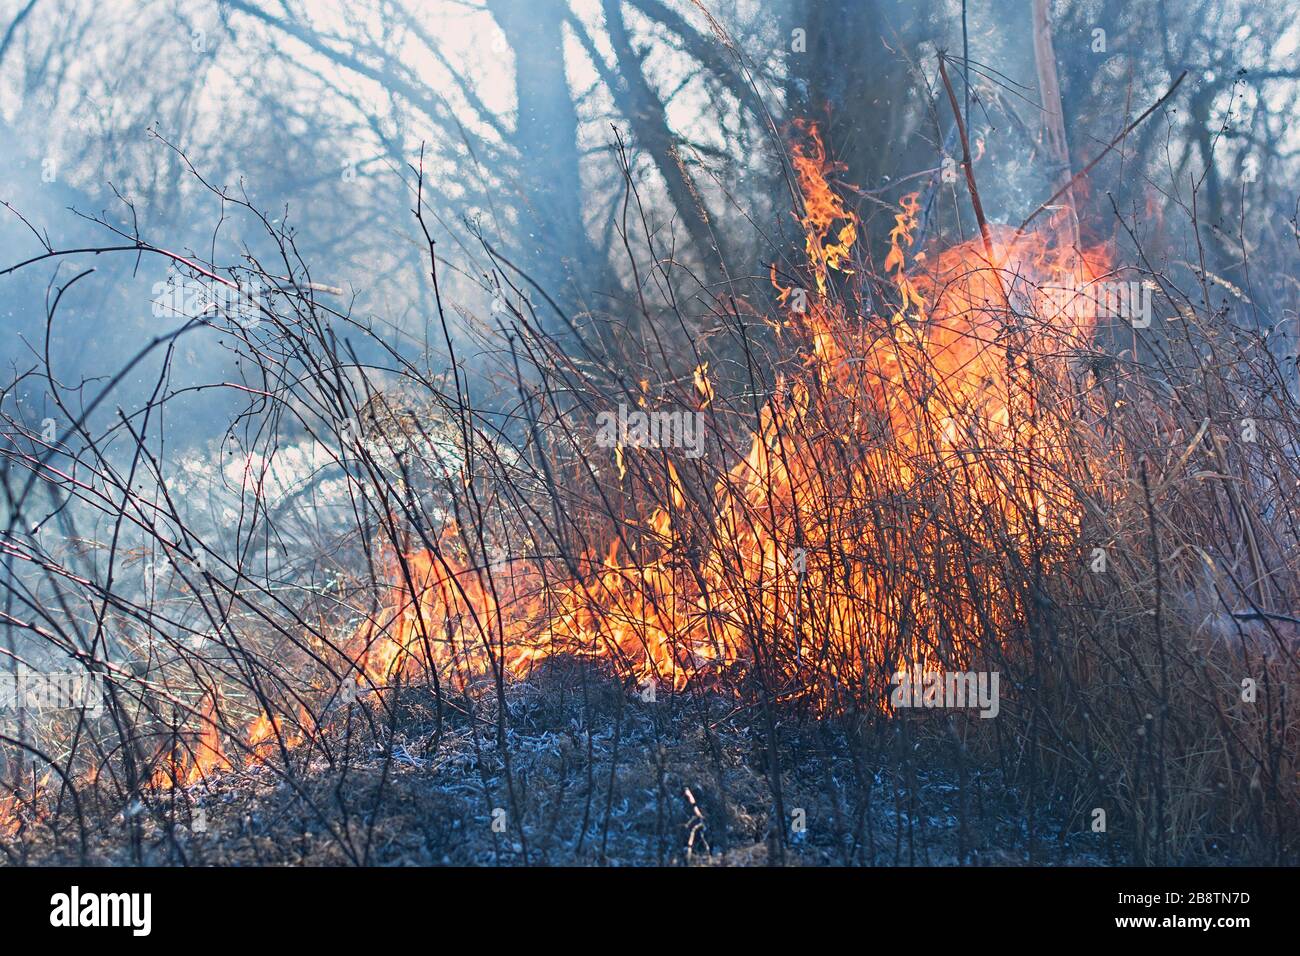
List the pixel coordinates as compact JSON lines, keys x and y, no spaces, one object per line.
{"x":955,"y":462}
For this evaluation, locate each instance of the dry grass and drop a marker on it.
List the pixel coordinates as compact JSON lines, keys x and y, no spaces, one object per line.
{"x":1121,"y":690}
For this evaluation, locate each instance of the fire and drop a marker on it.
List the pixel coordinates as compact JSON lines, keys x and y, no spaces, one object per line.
{"x":261,"y":731}
{"x":9,"y":820}
{"x":186,"y":766}
{"x":702,"y":385}
{"x":931,"y":403}
{"x":266,"y":733}
{"x":823,"y":207}
{"x":900,"y":238}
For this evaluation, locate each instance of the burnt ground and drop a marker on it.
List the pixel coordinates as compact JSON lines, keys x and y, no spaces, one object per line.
{"x":601,"y":777}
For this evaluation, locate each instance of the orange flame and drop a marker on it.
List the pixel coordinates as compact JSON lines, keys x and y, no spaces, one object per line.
{"x":923,"y":401}
{"x":931,"y":398}
{"x":192,"y":765}
{"x":822,"y":206}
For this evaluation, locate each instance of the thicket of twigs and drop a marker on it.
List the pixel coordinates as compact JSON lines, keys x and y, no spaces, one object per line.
{"x":880,"y":518}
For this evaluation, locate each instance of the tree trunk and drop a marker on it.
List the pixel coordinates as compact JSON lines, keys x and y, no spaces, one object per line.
{"x":561,"y":257}
{"x":1049,"y":92}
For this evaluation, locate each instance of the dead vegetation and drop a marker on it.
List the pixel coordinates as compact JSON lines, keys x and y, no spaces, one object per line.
{"x":604,"y":778}
{"x":380,"y":656}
